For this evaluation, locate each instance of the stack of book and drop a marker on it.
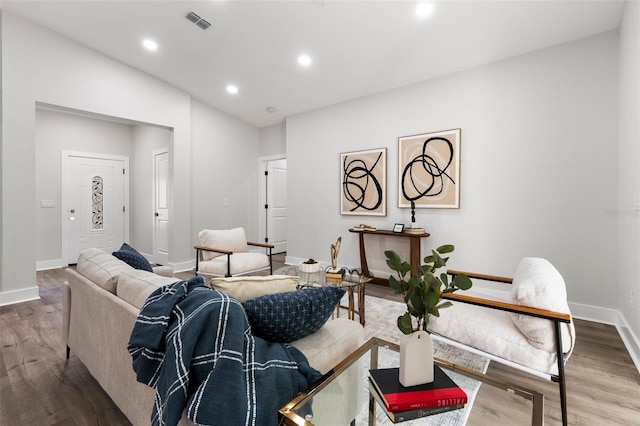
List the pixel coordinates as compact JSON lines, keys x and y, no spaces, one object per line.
{"x":406,"y":403}
{"x":415,"y":231}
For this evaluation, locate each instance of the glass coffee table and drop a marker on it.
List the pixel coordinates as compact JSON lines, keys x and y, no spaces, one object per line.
{"x":341,"y":396}
{"x":352,"y":281}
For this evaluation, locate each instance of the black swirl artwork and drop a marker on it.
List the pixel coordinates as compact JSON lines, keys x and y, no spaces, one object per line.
{"x":426,"y":174}
{"x":360,"y":186}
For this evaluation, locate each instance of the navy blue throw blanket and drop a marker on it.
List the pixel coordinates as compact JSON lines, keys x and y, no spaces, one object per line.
{"x":194,"y":346}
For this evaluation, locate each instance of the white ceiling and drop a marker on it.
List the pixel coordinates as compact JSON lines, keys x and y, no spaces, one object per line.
{"x":358,"y":47}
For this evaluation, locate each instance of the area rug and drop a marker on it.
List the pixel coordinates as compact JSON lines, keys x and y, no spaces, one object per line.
{"x":380,"y":322}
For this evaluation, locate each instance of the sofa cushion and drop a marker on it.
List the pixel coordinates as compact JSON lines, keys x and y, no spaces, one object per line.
{"x":101,"y":268}
{"x":245,"y":288}
{"x":132,"y":257}
{"x":538,"y":284}
{"x":136,"y":286}
{"x":240,"y":263}
{"x":285,"y":317}
{"x":233,"y":240}
{"x":165,"y":271}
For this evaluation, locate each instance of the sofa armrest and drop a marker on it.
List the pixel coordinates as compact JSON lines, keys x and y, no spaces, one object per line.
{"x":485,"y":277}
{"x":266,"y":245}
{"x":213,"y":249}
{"x":509,"y":307}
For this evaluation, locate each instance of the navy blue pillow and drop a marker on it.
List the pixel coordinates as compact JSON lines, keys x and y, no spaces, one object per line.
{"x":289,"y":316}
{"x":131,"y":256}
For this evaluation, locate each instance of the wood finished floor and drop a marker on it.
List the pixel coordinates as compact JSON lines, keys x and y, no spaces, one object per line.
{"x":38,"y":386}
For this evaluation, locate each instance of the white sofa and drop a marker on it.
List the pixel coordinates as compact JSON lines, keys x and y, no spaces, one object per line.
{"x":101,"y":302}
{"x":532,"y":330}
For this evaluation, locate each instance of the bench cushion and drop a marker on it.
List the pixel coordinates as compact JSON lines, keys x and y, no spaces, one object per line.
{"x":538,"y":284}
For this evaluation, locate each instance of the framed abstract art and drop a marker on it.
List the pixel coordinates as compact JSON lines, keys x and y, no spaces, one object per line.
{"x":429,"y":170}
{"x":363,"y":182}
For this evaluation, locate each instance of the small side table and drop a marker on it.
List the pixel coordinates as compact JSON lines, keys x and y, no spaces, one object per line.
{"x":353,"y":282}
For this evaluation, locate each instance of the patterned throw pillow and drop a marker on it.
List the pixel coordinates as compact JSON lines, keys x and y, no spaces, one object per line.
{"x":289,"y":316}
{"x":131,"y":256}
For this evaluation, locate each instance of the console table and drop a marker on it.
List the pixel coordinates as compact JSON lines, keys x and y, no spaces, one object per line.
{"x":414,"y":251}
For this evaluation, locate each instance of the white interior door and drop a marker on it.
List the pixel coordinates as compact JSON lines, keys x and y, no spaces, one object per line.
{"x":277,"y":204}
{"x":161,"y":207}
{"x":96,"y":205}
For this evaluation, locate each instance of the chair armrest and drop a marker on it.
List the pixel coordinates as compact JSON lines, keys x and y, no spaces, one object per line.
{"x":509,"y":307}
{"x":217,"y":250}
{"x":481,"y":276}
{"x":260,"y":244}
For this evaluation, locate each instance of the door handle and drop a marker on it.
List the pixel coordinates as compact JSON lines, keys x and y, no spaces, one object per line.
{"x":157,"y":214}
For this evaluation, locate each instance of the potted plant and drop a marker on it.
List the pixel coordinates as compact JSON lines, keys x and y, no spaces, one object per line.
{"x":421,"y":293}
{"x":309,"y":266}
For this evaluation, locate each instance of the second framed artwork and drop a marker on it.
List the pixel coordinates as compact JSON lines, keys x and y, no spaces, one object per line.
{"x":429,"y":170}
{"x":363,"y":180}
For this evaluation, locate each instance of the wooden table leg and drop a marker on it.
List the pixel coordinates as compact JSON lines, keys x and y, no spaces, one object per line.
{"x":363,"y":257}
{"x":414,"y":255}
{"x":361,"y":303}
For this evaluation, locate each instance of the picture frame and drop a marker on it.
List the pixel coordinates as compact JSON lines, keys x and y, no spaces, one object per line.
{"x":398,"y":227}
{"x":363,"y":182}
{"x":429,"y":170}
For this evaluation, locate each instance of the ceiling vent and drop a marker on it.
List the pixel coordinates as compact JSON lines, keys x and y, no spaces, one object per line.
{"x":196,"y":19}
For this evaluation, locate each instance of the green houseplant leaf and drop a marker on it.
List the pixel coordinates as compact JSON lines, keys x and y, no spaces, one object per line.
{"x":422,"y":291}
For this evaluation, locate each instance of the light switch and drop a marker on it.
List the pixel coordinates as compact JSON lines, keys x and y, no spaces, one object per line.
{"x":48,"y":204}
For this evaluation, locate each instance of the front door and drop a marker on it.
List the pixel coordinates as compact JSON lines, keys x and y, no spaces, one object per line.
{"x":96,"y":207}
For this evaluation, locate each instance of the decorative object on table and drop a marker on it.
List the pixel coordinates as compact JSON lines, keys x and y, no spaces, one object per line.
{"x":429,"y":170}
{"x":398,"y":227}
{"x":403,"y":416}
{"x":309,"y":266}
{"x":441,"y":392}
{"x":363,"y":227}
{"x":421,"y":293}
{"x":363,"y":180}
{"x":413,"y":229}
{"x":335,"y":249}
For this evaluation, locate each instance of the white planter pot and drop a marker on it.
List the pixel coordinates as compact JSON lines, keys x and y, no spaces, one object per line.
{"x":416,"y":358}
{"x":309,"y":267}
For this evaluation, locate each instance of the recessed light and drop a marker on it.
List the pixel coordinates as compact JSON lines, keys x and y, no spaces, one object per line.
{"x":232,"y":88}
{"x":271,"y":110}
{"x":150,"y":44}
{"x":424,"y":9}
{"x":304,"y":60}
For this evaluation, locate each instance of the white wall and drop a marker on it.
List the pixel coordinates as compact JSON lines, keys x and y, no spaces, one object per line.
{"x":146,"y":139}
{"x":539,"y":166}
{"x":628,"y":217}
{"x":56,"y":131}
{"x":273,"y":139}
{"x":225,"y":180}
{"x":41,"y":66}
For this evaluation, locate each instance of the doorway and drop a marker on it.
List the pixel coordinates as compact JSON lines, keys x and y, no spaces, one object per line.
{"x":273,"y":222}
{"x":161,"y":206}
{"x":95,"y":202}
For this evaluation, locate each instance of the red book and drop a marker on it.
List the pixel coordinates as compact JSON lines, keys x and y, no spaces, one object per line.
{"x":442,"y":392}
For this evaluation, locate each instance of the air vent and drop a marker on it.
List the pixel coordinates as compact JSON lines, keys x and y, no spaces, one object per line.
{"x":196,"y":19}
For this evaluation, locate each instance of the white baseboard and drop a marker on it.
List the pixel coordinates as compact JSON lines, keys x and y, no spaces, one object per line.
{"x":43,"y":265}
{"x":183,"y":266}
{"x":18,"y":296}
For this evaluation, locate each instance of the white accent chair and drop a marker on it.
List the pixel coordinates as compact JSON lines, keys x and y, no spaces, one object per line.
{"x":226,"y":253}
{"x":532,"y":332}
